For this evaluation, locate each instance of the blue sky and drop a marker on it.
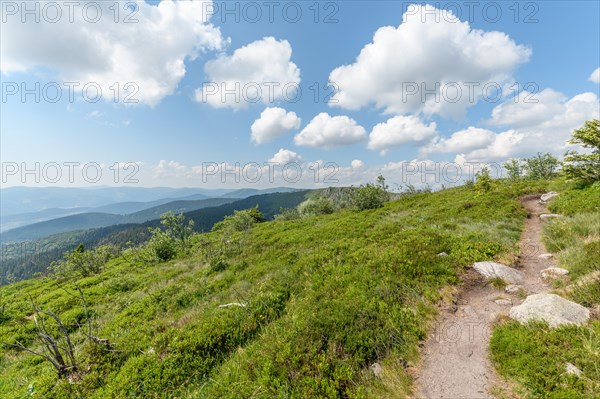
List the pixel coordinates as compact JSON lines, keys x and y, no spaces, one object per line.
{"x":553,"y":45}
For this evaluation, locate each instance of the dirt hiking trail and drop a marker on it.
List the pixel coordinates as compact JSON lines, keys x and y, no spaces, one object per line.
{"x":455,"y":361}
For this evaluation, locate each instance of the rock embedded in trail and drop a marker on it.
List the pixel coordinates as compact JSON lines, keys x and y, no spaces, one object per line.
{"x":550,"y":215}
{"x":554,"y":272}
{"x":545,"y":256}
{"x":512,"y":288}
{"x":551,"y":308}
{"x":492,"y":270}
{"x":548,"y":196}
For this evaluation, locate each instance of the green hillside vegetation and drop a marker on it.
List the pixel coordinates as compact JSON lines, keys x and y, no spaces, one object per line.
{"x":308,"y":304}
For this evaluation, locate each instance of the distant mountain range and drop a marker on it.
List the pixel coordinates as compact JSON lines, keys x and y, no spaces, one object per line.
{"x":23,"y":259}
{"x":91,"y":220}
{"x":45,"y":204}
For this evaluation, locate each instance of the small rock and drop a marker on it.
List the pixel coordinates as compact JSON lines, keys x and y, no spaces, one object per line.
{"x":572,"y":369}
{"x":377,"y":369}
{"x":550,"y":308}
{"x":548,"y":196}
{"x":512,"y":288}
{"x":554,"y":272}
{"x":545,"y":256}
{"x":503,"y":302}
{"x":492,"y":270}
{"x":550,"y":215}
{"x":442,"y":254}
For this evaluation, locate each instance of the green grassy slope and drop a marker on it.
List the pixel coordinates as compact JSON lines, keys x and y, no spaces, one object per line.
{"x":325,"y":298}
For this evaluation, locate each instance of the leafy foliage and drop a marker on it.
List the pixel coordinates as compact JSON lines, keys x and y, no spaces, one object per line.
{"x":371,"y":196}
{"x":316,"y":206}
{"x":242,"y":220}
{"x":541,"y":166}
{"x":483,"y":181}
{"x":82,"y":262}
{"x":584,"y":167}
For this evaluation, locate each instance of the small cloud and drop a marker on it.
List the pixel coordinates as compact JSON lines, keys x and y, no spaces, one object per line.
{"x":595,"y":76}
{"x":95,"y":114}
{"x":273,"y":122}
{"x":285,"y":156}
{"x":357,"y":164}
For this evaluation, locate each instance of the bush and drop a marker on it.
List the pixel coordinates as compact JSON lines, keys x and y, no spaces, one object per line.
{"x":288,"y":214}
{"x":371,"y":196}
{"x":165,"y":244}
{"x":316,"y":206}
{"x":240,"y":220}
{"x":82,"y":262}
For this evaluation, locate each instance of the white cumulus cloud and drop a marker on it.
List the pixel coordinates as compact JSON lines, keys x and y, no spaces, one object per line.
{"x":595,"y":76}
{"x":462,"y":141}
{"x":330,"y":131}
{"x":261,"y":71}
{"x":284,"y":156}
{"x":357,"y":164}
{"x":542,"y":124}
{"x":427,"y":50}
{"x":149,"y":54}
{"x":398,"y":131}
{"x":273,"y":122}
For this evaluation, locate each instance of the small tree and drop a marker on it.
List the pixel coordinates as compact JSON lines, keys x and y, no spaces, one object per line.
{"x":483,"y":181}
{"x":584,"y":167}
{"x":542,"y":166}
{"x":371,"y":196}
{"x":175,"y":236}
{"x":176,"y":227}
{"x":514,"y":169}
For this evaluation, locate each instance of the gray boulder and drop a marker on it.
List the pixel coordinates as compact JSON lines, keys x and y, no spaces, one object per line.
{"x":492,"y":270}
{"x":553,"y":309}
{"x":548,"y":196}
{"x":554,"y":272}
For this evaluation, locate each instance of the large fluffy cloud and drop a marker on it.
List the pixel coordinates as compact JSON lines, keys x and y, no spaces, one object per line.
{"x":427,"y":50}
{"x":543,"y":123}
{"x":328,"y":132}
{"x":258,"y":72}
{"x":463,"y":141}
{"x":150,"y":53}
{"x":273,"y":122}
{"x":398,"y":131}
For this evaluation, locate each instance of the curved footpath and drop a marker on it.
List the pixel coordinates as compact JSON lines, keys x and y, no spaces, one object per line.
{"x":455,"y":361}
